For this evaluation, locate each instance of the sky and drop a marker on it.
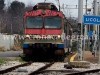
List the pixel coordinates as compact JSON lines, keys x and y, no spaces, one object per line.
{"x":70,"y":3}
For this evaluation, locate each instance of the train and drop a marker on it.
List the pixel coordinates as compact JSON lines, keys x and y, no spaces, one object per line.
{"x":45,"y":28}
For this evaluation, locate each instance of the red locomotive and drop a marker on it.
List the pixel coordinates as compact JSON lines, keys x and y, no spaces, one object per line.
{"x":44,"y":29}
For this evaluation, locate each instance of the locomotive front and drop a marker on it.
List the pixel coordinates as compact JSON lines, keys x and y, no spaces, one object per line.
{"x":44,"y":31}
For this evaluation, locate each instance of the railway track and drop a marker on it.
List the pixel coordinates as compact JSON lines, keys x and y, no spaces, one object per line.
{"x":41,"y":69}
{"x":71,"y":72}
{"x":36,"y":68}
{"x":24,"y":68}
{"x":14,"y":67}
{"x":94,"y":71}
{"x":15,"y":70}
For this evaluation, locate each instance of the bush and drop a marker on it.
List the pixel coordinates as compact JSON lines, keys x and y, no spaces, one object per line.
{"x":2,"y":49}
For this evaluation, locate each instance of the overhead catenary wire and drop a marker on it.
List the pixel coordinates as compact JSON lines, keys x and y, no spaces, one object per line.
{"x":58,"y":2}
{"x":65,"y":6}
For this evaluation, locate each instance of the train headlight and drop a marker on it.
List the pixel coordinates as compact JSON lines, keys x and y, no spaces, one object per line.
{"x":59,"y":36}
{"x":27,"y":36}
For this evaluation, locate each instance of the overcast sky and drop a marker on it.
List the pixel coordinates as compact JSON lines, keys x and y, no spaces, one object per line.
{"x":70,"y":3}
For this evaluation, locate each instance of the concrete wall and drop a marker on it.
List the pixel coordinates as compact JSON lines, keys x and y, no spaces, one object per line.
{"x":6,"y":41}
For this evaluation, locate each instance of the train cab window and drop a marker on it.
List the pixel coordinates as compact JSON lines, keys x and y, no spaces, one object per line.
{"x":53,"y":22}
{"x":34,"y":22}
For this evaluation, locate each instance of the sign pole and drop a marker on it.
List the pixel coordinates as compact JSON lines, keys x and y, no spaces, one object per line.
{"x":85,"y":31}
{"x":99,"y":50}
{"x":95,"y":27}
{"x":80,"y":15}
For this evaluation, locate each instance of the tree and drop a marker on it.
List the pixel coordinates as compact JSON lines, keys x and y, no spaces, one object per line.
{"x":1,"y":5}
{"x":16,"y":8}
{"x":2,"y":23}
{"x":16,"y":11}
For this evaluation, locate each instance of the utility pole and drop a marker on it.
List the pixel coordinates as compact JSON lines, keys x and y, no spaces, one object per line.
{"x":98,"y":39}
{"x":95,"y":12}
{"x":59,"y":4}
{"x":86,"y":8}
{"x":85,"y":29}
{"x":80,"y":15}
{"x":98,"y":30}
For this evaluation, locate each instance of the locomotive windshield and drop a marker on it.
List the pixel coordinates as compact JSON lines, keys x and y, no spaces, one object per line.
{"x":49,"y":22}
{"x":34,"y":22}
{"x":53,"y":22}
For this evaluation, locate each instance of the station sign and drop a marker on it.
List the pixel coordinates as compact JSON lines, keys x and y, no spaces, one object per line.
{"x":91,"y":20}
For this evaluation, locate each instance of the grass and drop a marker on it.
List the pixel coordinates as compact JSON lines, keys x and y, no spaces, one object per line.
{"x":5,"y":60}
{"x":2,"y":61}
{"x":19,"y":59}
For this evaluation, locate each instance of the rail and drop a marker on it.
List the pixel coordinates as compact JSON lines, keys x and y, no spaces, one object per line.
{"x":14,"y":67}
{"x":85,"y":72}
{"x":41,"y":69}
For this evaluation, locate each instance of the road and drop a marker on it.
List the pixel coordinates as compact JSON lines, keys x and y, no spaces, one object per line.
{"x":10,"y":53}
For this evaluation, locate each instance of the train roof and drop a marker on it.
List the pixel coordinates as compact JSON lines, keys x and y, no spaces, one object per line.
{"x":44,"y":13}
{"x":44,"y":9}
{"x":45,"y":6}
